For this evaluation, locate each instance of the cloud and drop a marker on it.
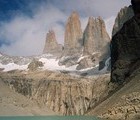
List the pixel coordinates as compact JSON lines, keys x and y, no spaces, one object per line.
{"x":103,"y":8}
{"x":26,"y":34}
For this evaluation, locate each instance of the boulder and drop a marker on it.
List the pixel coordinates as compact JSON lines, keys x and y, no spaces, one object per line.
{"x":34,"y":65}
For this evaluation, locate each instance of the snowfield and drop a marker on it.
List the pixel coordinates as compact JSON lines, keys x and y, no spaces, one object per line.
{"x":52,"y":63}
{"x":13,"y":66}
{"x":49,"y":61}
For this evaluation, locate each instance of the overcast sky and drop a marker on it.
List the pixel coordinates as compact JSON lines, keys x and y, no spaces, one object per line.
{"x":24,"y":23}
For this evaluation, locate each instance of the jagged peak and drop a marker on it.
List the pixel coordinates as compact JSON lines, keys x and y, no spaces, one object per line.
{"x":51,"y":31}
{"x":90,"y":20}
{"x":123,"y":15}
{"x":74,"y":16}
{"x":125,"y":8}
{"x":99,"y":18}
{"x":51,"y":44}
{"x":93,"y":20}
{"x":51,"y":36}
{"x":74,"y":13}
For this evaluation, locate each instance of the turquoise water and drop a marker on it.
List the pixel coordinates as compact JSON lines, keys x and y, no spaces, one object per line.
{"x":51,"y":118}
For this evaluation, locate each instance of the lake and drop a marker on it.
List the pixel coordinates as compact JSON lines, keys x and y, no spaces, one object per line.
{"x":50,"y":118}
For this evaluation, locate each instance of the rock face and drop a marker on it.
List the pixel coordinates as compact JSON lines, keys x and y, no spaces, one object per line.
{"x":124,"y":104}
{"x":61,"y":93}
{"x":51,"y":45}
{"x":125,"y":53}
{"x":73,"y":42}
{"x":95,"y":36}
{"x":125,"y":14}
{"x":69,"y":60}
{"x":96,"y":40}
{"x":89,"y":61}
{"x":34,"y":65}
{"x":14,"y":104}
{"x":73,"y":35}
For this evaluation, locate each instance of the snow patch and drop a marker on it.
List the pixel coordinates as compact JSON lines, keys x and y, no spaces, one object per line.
{"x":87,"y":69}
{"x":13,"y":66}
{"x":47,"y":55}
{"x":81,"y":58}
{"x":52,"y":64}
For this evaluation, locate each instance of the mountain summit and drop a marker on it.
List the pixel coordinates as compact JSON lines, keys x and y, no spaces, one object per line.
{"x":51,"y":44}
{"x":95,"y":36}
{"x":94,"y":43}
{"x":73,"y":35}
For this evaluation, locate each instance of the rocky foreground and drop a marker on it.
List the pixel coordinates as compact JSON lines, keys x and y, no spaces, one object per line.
{"x":34,"y":92}
{"x":123,"y":102}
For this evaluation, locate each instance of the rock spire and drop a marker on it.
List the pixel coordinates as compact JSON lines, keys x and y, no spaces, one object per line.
{"x":95,"y":36}
{"x":73,"y":35}
{"x":51,"y":45}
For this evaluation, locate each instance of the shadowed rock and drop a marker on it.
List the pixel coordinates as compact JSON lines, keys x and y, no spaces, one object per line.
{"x":125,"y":14}
{"x":125,"y":51}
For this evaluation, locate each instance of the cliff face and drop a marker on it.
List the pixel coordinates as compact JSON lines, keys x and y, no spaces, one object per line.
{"x":69,"y":97}
{"x":89,"y":61}
{"x":95,"y":36}
{"x":73,"y":42}
{"x":125,"y":14}
{"x":73,"y":35}
{"x":51,"y":45}
{"x":14,"y":104}
{"x":123,"y":100}
{"x":61,"y":93}
{"x":96,"y":43}
{"x":125,"y":52}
